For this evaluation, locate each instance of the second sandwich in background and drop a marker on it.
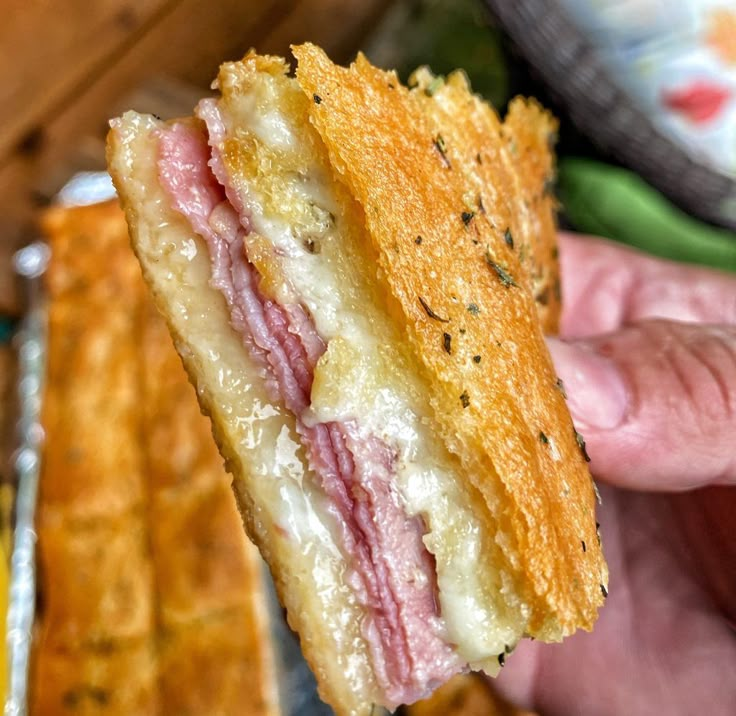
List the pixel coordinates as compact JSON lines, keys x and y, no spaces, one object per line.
{"x":151,"y":601}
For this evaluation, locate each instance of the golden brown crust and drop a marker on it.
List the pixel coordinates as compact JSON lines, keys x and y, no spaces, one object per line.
{"x":118,"y":681}
{"x":94,"y":290}
{"x":508,"y":168}
{"x":90,"y":410}
{"x":83,"y":241}
{"x":530,"y":132}
{"x":464,"y":695}
{"x":97,"y":580}
{"x":215,"y":667}
{"x":505,"y":416}
{"x":198,"y":550}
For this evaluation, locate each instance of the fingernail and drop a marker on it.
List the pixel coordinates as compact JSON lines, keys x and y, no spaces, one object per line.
{"x":596,"y":393}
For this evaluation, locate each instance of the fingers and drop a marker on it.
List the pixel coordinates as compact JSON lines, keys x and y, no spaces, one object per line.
{"x":606,"y":286}
{"x":660,"y":645}
{"x":656,"y":403}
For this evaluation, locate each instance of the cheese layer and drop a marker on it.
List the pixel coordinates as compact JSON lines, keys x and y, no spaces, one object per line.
{"x":307,"y":242}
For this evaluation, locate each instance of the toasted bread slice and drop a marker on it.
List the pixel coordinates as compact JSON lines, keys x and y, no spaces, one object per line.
{"x":512,"y":432}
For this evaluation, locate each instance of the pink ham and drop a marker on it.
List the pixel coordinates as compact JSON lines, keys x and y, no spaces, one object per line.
{"x":392,"y":573}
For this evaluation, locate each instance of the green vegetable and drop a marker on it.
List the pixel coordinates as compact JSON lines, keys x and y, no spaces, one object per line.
{"x":616,"y":203}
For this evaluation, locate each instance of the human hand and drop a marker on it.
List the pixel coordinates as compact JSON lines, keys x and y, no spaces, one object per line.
{"x":649,"y":365}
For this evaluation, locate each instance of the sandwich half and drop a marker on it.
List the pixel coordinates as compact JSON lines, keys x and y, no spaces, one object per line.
{"x":357,"y":275}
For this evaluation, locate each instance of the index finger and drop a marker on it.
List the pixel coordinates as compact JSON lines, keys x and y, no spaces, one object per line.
{"x":606,"y":286}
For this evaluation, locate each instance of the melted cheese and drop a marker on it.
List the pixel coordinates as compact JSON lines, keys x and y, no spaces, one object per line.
{"x":363,"y":375}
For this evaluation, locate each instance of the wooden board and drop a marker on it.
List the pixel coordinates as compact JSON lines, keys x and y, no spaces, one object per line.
{"x":80,"y":72}
{"x":87,"y":39}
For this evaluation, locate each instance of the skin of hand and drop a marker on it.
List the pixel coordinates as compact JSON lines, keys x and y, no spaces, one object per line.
{"x":647,"y":354}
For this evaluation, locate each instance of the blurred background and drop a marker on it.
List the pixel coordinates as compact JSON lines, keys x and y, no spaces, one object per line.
{"x":74,"y":67}
{"x":646,"y":95}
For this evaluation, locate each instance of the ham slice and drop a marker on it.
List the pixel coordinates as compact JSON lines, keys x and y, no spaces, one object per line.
{"x":391,"y":573}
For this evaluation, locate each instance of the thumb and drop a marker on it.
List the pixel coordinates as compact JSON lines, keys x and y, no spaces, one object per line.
{"x":655,"y":402}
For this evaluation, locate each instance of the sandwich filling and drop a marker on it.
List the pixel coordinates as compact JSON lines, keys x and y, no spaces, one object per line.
{"x":393,"y":573}
{"x":252,"y":178}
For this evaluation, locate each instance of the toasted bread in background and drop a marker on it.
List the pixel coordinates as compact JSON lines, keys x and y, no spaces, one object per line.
{"x":464,"y":695}
{"x":151,"y":600}
{"x":97,"y":580}
{"x":114,"y":681}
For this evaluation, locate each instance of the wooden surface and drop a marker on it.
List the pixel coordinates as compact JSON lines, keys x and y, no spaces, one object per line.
{"x":77,"y":63}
